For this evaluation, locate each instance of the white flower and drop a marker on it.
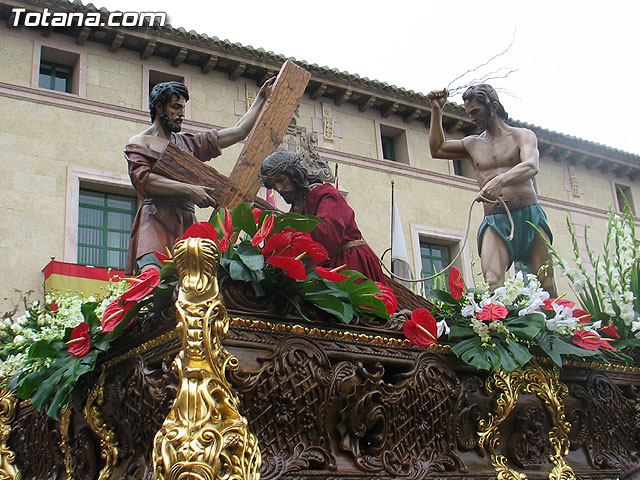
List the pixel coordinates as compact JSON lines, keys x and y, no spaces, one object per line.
{"x":563,"y":322}
{"x":627,"y":313}
{"x":18,"y":339}
{"x":471,"y":309}
{"x":443,"y":328}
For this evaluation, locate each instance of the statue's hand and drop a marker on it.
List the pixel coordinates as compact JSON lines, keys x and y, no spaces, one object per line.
{"x":265,"y":90}
{"x":202,"y":196}
{"x":491,"y":189}
{"x":438,"y":98}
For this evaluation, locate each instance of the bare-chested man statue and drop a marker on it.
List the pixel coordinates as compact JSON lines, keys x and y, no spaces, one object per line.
{"x":505,"y":159}
{"x":167,"y":206}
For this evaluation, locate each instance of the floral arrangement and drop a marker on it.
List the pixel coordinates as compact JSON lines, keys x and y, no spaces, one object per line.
{"x":493,"y":330}
{"x":276,"y":254}
{"x":609,"y":285}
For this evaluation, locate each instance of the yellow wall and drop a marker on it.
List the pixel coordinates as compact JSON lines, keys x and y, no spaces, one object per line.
{"x":16,"y":57}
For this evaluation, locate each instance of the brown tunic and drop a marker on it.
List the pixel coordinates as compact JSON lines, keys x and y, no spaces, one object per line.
{"x":161,"y":220}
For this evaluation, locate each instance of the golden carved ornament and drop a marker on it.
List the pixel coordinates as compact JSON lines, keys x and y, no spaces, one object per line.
{"x":204,"y":437}
{"x":8,"y":402}
{"x":545,"y":383}
{"x":93,"y":416}
{"x":65,"y":421}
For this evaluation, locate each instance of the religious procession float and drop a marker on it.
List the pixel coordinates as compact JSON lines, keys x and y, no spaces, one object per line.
{"x":242,"y":358}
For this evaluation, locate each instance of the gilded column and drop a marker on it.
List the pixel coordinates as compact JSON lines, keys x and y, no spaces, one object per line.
{"x":204,"y":436}
{"x":8,"y":401}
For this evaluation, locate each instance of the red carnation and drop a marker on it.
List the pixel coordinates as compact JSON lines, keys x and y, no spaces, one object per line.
{"x":80,"y":341}
{"x":421,"y":330}
{"x":456,"y":283}
{"x":388,"y":298}
{"x":492,"y":312}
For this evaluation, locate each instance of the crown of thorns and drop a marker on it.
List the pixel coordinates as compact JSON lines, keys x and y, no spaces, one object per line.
{"x":278,"y":163}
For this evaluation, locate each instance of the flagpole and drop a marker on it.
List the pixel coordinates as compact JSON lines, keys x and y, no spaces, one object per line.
{"x":392,"y":222}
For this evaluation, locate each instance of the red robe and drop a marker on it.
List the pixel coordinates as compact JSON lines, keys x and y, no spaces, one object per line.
{"x":161,"y":220}
{"x":326,"y":202}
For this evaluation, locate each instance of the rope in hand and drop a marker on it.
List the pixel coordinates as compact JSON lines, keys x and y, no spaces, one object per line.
{"x":464,"y":243}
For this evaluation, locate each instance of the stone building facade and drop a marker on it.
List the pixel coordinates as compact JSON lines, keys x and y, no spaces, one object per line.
{"x":71,"y":97}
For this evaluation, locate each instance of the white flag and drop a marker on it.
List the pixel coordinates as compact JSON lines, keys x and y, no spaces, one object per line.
{"x":399,"y":256}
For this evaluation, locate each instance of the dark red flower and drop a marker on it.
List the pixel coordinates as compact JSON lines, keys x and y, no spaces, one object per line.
{"x":331,"y":274}
{"x":611,"y":331}
{"x":582,"y":315}
{"x":80,"y":341}
{"x":421,"y":330}
{"x":256,"y":214}
{"x":588,"y":340}
{"x":227,"y":229}
{"x":114,"y":314}
{"x":292,"y":243}
{"x":142,"y":285}
{"x":388,"y":297}
{"x":264,"y":231}
{"x":492,"y":312}
{"x":560,"y":301}
{"x":201,"y":230}
{"x":456,"y":283}
{"x":53,"y":307}
{"x":162,"y":257}
{"x":291,"y":266}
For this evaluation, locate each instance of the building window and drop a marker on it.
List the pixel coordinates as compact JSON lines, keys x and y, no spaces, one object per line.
{"x":394,"y":144}
{"x":434,"y":258}
{"x":623,"y":195}
{"x":58,"y":70}
{"x":161,"y":77}
{"x":104,"y":227}
{"x":55,"y":76}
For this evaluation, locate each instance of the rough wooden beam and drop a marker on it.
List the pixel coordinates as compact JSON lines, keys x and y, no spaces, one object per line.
{"x":559,"y":156}
{"x":179,"y":57}
{"x":390,"y":109}
{"x":117,"y":42}
{"x":635,"y":173}
{"x":317,"y":92}
{"x":578,"y":159}
{"x":415,"y":113}
{"x":594,"y":162}
{"x":83,"y":35}
{"x":209,"y":64}
{"x":237,"y":70}
{"x":622,"y":170}
{"x":265,"y":76}
{"x":367,"y":103}
{"x":457,"y":125}
{"x":148,"y":49}
{"x":267,"y":134}
{"x":546,"y":149}
{"x":606,"y":167}
{"x":346,"y":95}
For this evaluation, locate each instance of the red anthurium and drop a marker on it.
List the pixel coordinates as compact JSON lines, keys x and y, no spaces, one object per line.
{"x":114,"y":314}
{"x":291,"y":266}
{"x":80,"y":341}
{"x":227,"y":229}
{"x":589,"y":340}
{"x":256,"y":214}
{"x":331,"y":274}
{"x":560,"y":301}
{"x":264,"y":231}
{"x":492,"y":312}
{"x":162,"y":257}
{"x":142,"y":285}
{"x":611,"y":331}
{"x":388,"y":297}
{"x":582,"y":315}
{"x":317,"y":252}
{"x":421,"y":330}
{"x":456,"y":283}
{"x":53,"y":307}
{"x":291,"y":243}
{"x":201,"y":230}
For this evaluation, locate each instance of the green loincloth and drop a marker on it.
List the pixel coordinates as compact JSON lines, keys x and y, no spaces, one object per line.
{"x":523,"y":234}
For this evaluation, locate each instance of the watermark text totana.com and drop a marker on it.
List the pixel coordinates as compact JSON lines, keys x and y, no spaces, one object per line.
{"x":47,"y":18}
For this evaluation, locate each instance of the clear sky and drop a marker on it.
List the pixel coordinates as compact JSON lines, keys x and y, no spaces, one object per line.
{"x":577,"y":61}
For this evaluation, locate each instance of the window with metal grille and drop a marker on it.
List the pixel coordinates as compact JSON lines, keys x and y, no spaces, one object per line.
{"x":55,"y":76}
{"x":104,"y":228}
{"x":434,"y":258}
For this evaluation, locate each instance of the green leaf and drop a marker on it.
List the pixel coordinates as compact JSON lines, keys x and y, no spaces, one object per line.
{"x":458,"y":331}
{"x":302,"y":223}
{"x":89,"y":314}
{"x":250,"y":256}
{"x":376,"y":306}
{"x":30,"y":382}
{"x":128,"y":318}
{"x":242,"y":218}
{"x":168,"y":270}
{"x":519,"y":352}
{"x":102,"y":343}
{"x":60,"y":400}
{"x":239,"y":271}
{"x":444,"y":297}
{"x":44,"y":391}
{"x":334,"y":306}
{"x":545,"y":342}
{"x":42,"y":349}
{"x":163,"y":296}
{"x":527,"y":326}
{"x":472,"y":352}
